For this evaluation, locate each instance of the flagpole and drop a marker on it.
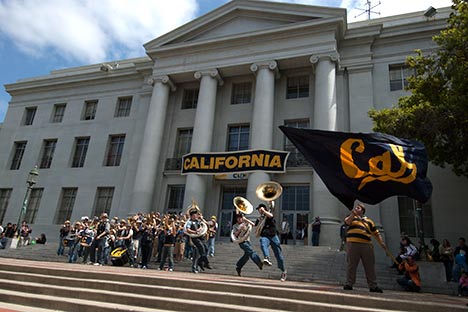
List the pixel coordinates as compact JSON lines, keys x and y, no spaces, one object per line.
{"x":389,"y":254}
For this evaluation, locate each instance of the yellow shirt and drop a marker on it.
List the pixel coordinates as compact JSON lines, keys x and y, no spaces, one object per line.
{"x":360,"y":230}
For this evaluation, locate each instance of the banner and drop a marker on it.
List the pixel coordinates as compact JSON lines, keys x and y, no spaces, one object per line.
{"x":233,"y":162}
{"x":367,"y":167}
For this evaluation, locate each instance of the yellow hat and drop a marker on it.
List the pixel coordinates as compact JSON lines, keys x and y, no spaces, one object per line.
{"x":213,"y":217}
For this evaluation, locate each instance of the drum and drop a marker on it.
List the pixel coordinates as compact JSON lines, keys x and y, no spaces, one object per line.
{"x":86,"y":241}
{"x":119,"y":256}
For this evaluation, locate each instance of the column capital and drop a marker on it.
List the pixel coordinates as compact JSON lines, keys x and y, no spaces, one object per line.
{"x":271,"y":65}
{"x":213,"y":73}
{"x":165,"y":79}
{"x":332,"y":56}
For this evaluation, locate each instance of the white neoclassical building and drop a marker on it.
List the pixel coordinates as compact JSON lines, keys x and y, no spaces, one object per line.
{"x":109,"y":137}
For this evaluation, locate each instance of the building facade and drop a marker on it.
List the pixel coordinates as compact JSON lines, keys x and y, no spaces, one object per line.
{"x":109,"y":137}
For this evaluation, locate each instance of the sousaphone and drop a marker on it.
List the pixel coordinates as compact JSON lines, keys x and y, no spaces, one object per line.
{"x":203,"y":224}
{"x":243,"y":206}
{"x":268,"y":192}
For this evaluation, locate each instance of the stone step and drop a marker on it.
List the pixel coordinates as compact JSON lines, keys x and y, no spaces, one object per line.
{"x":303,"y":263}
{"x":149,"y":289}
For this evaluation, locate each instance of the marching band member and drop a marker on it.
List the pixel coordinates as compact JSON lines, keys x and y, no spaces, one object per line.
{"x":168,"y":243}
{"x":99,"y":242}
{"x":192,"y":227}
{"x":212,"y":229}
{"x":239,"y":229}
{"x":148,"y":233}
{"x":269,"y":237}
{"x":124,"y":238}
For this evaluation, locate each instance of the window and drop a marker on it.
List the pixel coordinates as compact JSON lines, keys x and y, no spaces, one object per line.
{"x":297,"y":87}
{"x":47,"y":153}
{"x":90,"y":110}
{"x":176,"y":198}
{"x":4,"y":199}
{"x":124,"y":105}
{"x":81,"y":148}
{"x":238,"y":138}
{"x":184,"y":142}
{"x":295,"y":159}
{"x":30,"y":113}
{"x":114,"y":153}
{"x":17,"y":155}
{"x":410,"y":212}
{"x":67,"y":201}
{"x":33,"y":205}
{"x":295,"y":198}
{"x":57,"y":114}
{"x":103,"y":200}
{"x":190,"y":98}
{"x":398,"y":76}
{"x":241,"y":93}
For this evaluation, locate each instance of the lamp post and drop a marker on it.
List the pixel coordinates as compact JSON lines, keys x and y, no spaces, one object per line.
{"x":32,"y":179}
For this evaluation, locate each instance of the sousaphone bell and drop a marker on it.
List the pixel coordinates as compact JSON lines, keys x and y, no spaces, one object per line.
{"x":242,"y":205}
{"x":269,"y":191}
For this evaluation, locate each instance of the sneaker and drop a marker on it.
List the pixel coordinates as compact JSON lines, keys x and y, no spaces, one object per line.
{"x":284,"y":276}
{"x":376,"y":290}
{"x":159,"y":269}
{"x":260,"y":265}
{"x":238,"y":270}
{"x":347,"y":287}
{"x":267,"y":261}
{"x":171,"y":270}
{"x":195,"y":271}
{"x":208,"y":266}
{"x":96,"y":264}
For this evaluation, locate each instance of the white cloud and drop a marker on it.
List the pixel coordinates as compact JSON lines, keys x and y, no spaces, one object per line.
{"x":89,"y":30}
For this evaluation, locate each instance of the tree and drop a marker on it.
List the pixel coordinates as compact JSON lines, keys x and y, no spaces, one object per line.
{"x":436,"y":112}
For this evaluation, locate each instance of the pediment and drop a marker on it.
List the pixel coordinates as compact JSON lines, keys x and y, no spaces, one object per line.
{"x":243,"y":17}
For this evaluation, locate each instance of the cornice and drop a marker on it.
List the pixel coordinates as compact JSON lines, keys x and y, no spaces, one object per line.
{"x":335,"y":24}
{"x":248,"y":5}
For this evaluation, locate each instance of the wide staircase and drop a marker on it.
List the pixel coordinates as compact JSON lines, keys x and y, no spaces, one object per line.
{"x":315,"y":278}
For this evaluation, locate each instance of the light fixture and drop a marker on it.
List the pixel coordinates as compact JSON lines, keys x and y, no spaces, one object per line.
{"x":430,"y":12}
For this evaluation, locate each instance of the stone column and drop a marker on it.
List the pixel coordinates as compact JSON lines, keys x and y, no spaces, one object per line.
{"x":261,"y":129}
{"x":145,"y":178}
{"x":324,"y":203}
{"x":195,"y":186}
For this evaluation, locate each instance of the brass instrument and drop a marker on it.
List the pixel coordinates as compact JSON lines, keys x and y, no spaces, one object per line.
{"x":203,"y":224}
{"x":268,"y":191}
{"x":243,"y":206}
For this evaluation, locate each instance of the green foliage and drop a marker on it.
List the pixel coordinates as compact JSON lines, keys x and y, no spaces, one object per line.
{"x":436,"y":112}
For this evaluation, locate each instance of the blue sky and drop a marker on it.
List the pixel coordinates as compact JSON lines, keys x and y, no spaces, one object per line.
{"x":39,"y":36}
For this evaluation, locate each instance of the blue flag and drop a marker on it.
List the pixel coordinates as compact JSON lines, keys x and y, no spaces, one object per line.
{"x":368,"y":167}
